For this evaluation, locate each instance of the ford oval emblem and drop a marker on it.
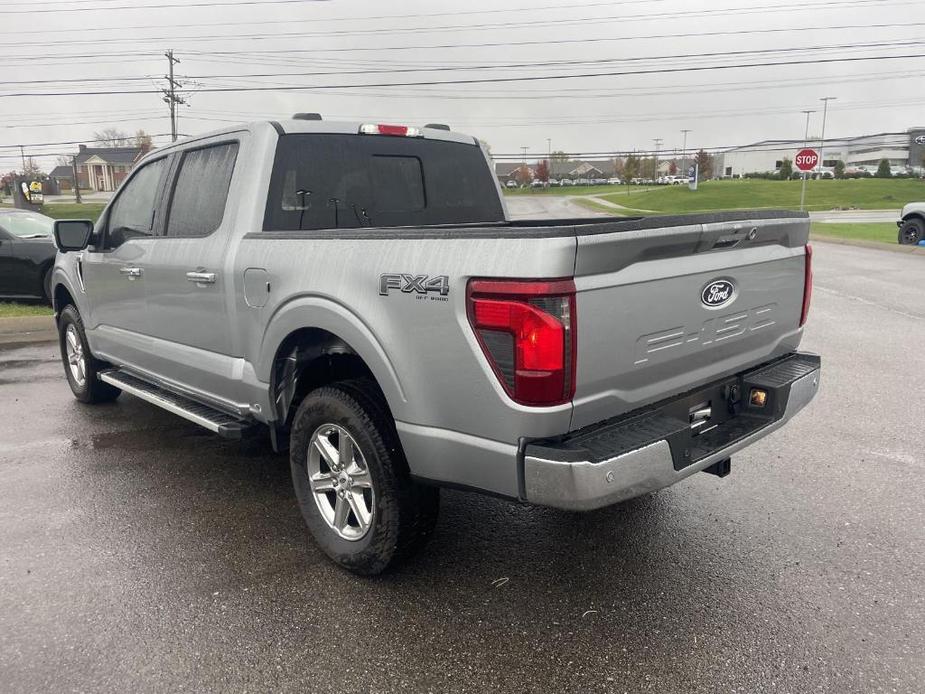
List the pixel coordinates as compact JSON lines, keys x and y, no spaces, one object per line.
{"x":718,"y":293}
{"x":920,"y":140}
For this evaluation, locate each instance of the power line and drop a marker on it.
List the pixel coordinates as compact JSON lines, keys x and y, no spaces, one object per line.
{"x":134,"y":55}
{"x":793,"y":7}
{"x":217,"y":3}
{"x":681,"y":56}
{"x":315,"y":20}
{"x":492,"y":80}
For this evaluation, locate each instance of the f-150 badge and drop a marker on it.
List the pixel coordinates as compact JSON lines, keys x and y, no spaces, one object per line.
{"x":413,"y":284}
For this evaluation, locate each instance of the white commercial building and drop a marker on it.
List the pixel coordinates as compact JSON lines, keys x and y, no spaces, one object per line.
{"x":904,"y":151}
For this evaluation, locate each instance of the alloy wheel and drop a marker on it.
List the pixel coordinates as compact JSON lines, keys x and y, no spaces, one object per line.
{"x":340,"y":482}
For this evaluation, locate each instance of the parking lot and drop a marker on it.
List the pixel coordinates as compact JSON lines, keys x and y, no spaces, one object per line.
{"x":139,"y":553}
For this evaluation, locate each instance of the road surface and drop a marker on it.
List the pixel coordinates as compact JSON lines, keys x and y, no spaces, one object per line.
{"x":139,"y":553}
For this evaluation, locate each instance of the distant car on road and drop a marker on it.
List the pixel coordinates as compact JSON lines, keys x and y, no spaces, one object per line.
{"x":27,"y":254}
{"x":511,"y":184}
{"x":614,"y":181}
{"x":912,"y":224}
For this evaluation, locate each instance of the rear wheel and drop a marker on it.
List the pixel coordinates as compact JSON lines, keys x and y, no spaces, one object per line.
{"x":80,"y":367}
{"x":352,"y":482}
{"x":911,"y":232}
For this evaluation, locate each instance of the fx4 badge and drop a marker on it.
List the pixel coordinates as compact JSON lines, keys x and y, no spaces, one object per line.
{"x":414,"y":284}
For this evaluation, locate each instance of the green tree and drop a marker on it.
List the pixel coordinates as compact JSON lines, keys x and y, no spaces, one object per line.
{"x":786,"y":169}
{"x":704,"y":165}
{"x":630,"y":168}
{"x":883,"y":169}
{"x":839,"y":169}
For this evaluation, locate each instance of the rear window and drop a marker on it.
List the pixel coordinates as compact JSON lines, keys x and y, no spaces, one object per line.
{"x":350,"y":181}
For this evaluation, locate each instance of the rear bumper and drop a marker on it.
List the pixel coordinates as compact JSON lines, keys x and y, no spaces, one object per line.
{"x":642,"y":452}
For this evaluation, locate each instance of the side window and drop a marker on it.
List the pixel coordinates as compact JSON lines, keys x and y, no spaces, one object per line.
{"x":132,"y":214}
{"x":201,"y":190}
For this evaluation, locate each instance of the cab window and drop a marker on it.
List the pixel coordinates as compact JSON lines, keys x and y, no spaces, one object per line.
{"x":132,"y":214}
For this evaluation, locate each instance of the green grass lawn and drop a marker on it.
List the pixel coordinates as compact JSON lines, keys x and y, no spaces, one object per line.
{"x":11,"y":310}
{"x":865,"y":194}
{"x":88,"y":210}
{"x":885,"y":232}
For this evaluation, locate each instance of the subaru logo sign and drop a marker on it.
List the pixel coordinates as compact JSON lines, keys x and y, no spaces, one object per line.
{"x":718,"y":293}
{"x":920,"y":140}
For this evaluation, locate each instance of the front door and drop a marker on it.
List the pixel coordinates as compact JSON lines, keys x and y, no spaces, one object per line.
{"x":114,"y":269}
{"x":186,"y":281}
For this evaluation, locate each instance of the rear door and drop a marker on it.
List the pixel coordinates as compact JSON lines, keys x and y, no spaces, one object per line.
{"x":114,"y":269}
{"x":665,"y":309}
{"x":187,"y":283}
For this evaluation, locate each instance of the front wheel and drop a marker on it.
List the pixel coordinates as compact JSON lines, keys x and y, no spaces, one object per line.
{"x":911,"y":232}
{"x":80,"y":367}
{"x":352,"y":482}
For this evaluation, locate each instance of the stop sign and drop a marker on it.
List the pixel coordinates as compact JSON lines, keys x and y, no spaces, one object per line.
{"x":806,"y":159}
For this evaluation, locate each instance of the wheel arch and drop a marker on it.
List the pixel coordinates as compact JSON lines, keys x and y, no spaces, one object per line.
{"x":314,"y":342}
{"x":917,"y":214}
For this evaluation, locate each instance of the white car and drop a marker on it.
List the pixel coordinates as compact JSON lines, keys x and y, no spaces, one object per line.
{"x":614,"y":181}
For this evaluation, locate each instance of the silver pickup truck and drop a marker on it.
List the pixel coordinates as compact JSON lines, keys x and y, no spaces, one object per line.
{"x":359,"y":292}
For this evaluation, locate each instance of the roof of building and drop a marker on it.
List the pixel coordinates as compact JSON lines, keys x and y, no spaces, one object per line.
{"x":61,"y":172}
{"x":111,"y":155}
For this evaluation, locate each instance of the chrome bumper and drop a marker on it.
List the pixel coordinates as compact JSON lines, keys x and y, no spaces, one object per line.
{"x":584,"y":485}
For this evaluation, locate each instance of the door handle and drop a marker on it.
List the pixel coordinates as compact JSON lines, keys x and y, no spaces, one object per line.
{"x":201,"y":277}
{"x":131,"y":272}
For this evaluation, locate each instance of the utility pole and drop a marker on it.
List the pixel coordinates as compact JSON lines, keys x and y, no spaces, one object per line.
{"x":658,"y":142}
{"x":825,"y":108}
{"x":548,"y":160}
{"x":171,"y":98}
{"x":22,"y":153}
{"x":805,"y":138}
{"x":76,"y":179}
{"x":684,"y":132}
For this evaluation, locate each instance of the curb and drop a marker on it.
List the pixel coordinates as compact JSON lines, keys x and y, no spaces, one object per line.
{"x":889,"y":247}
{"x":27,"y":330}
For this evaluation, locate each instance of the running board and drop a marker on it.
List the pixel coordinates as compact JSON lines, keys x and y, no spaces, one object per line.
{"x":224,"y":425}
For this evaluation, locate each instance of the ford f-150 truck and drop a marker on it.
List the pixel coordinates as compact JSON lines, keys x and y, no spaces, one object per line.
{"x":359,"y":292}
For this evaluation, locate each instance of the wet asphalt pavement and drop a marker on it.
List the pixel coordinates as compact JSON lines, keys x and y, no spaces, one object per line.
{"x":139,"y":553}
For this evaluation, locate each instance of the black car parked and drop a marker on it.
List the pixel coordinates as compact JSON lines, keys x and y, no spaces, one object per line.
{"x":27,"y":254}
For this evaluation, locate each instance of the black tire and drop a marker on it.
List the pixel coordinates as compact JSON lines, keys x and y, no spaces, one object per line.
{"x":91,"y":390}
{"x":911,"y":232}
{"x":404,"y":513}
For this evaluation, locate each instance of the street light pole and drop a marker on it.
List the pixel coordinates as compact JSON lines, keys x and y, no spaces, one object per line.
{"x":825,"y":108}
{"x":684,"y":132}
{"x":658,"y":142}
{"x":805,"y":138}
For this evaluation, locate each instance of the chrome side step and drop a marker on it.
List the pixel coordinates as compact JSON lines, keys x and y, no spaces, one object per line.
{"x":224,"y":425}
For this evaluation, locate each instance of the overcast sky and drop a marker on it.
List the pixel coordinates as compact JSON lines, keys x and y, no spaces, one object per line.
{"x":44,"y":48}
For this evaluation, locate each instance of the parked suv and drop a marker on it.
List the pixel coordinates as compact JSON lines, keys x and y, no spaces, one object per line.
{"x":358,"y":292}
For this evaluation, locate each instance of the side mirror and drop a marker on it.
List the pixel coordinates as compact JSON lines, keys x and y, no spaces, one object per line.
{"x":72,"y":234}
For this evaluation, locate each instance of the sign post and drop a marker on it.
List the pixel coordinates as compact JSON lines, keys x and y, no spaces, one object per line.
{"x":806,"y":160}
{"x":693,"y":173}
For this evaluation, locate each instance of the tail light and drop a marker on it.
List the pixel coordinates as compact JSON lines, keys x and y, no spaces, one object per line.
{"x":384,"y":129}
{"x":807,"y":285}
{"x":526,"y":329}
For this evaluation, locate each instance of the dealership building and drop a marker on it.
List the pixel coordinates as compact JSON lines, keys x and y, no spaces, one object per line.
{"x":904,"y":150}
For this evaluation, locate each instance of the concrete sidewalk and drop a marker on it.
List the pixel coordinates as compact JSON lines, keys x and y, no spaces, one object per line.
{"x":27,"y":330}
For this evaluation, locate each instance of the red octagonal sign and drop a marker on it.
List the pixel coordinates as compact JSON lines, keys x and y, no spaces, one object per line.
{"x":806,"y":159}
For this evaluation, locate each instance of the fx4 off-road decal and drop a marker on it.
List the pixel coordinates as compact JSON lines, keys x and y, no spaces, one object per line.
{"x":414,"y":284}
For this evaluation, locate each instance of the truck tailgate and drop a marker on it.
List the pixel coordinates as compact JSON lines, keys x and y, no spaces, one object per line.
{"x":665,"y":309}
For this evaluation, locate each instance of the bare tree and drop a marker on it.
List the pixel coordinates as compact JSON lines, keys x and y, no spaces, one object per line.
{"x":62,"y":161}
{"x":143,"y":141}
{"x":112,"y":137}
